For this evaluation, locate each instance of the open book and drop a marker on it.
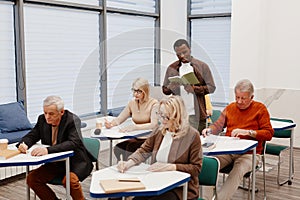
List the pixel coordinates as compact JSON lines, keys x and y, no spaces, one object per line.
{"x":187,"y":75}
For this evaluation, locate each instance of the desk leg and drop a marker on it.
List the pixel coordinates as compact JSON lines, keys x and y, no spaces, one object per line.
{"x":253,"y":172}
{"x":291,"y":160}
{"x":27,"y":188}
{"x":110,"y":153}
{"x":185,"y":189}
{"x":68,"y":178}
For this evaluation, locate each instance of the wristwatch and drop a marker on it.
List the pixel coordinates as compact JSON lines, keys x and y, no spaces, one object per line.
{"x":252,"y":133}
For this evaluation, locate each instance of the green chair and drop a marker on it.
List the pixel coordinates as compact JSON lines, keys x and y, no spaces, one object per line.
{"x":216,"y":114}
{"x":278,"y":149}
{"x":209,"y":174}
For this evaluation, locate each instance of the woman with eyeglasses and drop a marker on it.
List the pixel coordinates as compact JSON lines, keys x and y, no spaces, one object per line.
{"x":174,"y":146}
{"x":142,"y":109}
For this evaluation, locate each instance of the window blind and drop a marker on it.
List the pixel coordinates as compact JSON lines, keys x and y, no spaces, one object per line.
{"x":7,"y":55}
{"x":210,"y":6}
{"x":136,"y":5}
{"x":211,"y":44}
{"x":62,"y":58}
{"x":130,"y":48}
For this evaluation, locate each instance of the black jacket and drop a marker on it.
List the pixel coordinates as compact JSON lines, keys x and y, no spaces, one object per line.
{"x":69,"y":137}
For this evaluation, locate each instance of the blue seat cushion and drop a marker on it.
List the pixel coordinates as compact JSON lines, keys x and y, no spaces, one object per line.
{"x":13,"y":118}
{"x":14,"y":136}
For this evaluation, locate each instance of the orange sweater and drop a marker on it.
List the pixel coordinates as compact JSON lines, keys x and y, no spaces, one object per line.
{"x":255,"y":117}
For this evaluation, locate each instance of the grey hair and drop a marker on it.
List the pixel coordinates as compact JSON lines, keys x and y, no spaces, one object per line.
{"x":244,"y":85}
{"x":54,"y":100}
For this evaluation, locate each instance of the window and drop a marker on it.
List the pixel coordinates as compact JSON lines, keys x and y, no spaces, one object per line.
{"x":130,"y":55}
{"x":136,"y":5}
{"x":62,"y":58}
{"x":210,"y":35}
{"x":7,"y":55}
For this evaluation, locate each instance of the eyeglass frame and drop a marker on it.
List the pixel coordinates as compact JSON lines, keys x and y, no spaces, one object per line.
{"x":162,"y":116}
{"x":138,"y":91}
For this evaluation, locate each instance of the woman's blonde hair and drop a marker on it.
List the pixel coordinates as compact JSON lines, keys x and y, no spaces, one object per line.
{"x":176,"y":112}
{"x":143,"y":85}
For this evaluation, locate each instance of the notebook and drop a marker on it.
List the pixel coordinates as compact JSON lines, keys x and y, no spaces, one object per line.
{"x":8,"y":153}
{"x":115,"y":185}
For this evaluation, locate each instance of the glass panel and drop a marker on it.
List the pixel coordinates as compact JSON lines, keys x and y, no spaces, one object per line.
{"x":7,"y":55}
{"x":62,"y":58}
{"x":130,"y":55}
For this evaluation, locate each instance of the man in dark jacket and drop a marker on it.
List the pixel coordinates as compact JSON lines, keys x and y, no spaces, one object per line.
{"x":59,"y":129}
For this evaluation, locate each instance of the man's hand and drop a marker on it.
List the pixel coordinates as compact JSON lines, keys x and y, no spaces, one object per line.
{"x":239,"y":132}
{"x":39,"y":151}
{"x":189,"y":88}
{"x":23,"y":147}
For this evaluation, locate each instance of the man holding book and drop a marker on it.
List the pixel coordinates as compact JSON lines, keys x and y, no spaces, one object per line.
{"x":191,"y":79}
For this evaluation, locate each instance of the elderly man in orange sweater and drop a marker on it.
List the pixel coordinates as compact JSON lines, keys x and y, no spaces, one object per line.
{"x":246,"y":119}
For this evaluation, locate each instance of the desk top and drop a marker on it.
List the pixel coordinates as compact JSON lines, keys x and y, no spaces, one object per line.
{"x":114,"y":132}
{"x":279,"y":125}
{"x":227,"y":145}
{"x":167,"y":181}
{"x":27,"y":159}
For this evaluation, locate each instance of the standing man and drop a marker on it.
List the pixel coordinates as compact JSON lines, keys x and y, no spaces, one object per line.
{"x":245,"y":119}
{"x":192,"y":94}
{"x":60,"y":129}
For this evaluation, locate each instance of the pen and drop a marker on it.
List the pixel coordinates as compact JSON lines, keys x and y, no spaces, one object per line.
{"x":122,"y":163}
{"x":129,"y":180}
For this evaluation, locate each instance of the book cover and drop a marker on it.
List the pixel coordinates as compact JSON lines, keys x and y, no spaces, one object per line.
{"x":115,"y":185}
{"x":8,"y":153}
{"x":188,"y":78}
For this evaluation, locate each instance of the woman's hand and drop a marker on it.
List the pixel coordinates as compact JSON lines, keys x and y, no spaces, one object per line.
{"x":161,"y":167}
{"x":108,"y":124}
{"x":125,"y":165}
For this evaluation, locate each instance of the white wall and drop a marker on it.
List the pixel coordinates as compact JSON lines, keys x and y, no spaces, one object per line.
{"x":265,"y":47}
{"x":173,"y":26}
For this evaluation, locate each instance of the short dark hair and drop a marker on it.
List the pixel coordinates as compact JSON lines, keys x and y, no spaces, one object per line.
{"x":180,"y":42}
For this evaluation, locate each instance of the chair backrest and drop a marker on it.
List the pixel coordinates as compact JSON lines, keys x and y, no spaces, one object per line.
{"x":209,"y":172}
{"x":282,"y":133}
{"x":93,"y":146}
{"x":216,"y":114}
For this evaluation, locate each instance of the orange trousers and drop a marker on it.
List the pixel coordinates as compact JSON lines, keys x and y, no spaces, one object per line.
{"x":37,"y":180}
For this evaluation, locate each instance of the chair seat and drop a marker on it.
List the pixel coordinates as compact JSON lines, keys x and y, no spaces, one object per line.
{"x":56,"y":181}
{"x":275,"y":149}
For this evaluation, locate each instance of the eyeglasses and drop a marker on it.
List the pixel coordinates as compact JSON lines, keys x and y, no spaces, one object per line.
{"x":138,"y":91}
{"x":162,"y":116}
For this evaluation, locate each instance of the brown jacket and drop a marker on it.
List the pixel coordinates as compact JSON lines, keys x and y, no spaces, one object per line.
{"x":185,"y":152}
{"x":206,"y":85}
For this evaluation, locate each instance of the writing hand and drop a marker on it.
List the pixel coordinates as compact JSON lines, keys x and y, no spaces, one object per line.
{"x":107,"y":123}
{"x":125,"y":165}
{"x":206,"y":132}
{"x":23,"y":147}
